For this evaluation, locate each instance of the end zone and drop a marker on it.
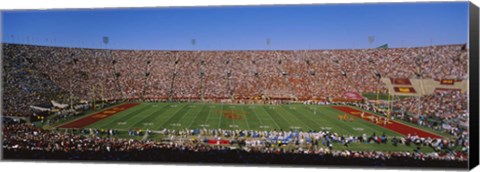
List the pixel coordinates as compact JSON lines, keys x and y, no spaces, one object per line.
{"x":88,"y":120}
{"x":392,"y":125}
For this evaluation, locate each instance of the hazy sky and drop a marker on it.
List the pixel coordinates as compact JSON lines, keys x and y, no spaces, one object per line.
{"x":244,"y":27}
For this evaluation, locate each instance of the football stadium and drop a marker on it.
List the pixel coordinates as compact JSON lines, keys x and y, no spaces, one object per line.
{"x":379,"y":106}
{"x":292,"y":101}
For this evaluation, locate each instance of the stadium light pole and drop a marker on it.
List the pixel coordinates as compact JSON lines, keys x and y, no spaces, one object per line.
{"x":12,"y":38}
{"x":371,"y":40}
{"x":267,"y":42}
{"x":194,"y":41}
{"x":72,"y":56}
{"x":105,"y":41}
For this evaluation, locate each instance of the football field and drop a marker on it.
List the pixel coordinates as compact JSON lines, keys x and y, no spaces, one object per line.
{"x":157,"y":116}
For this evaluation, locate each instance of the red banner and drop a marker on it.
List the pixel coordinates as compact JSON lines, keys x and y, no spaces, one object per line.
{"x":352,"y":95}
{"x":404,"y":89}
{"x":219,"y":142}
{"x":400,"y":81}
{"x":446,"y":89}
{"x":447,"y":82}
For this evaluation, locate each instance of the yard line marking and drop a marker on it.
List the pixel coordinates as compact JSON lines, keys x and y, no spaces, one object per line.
{"x":246,"y":120}
{"x":256,"y":115}
{"x":184,"y":115}
{"x":315,"y":121}
{"x":208,"y":116}
{"x":326,"y":116}
{"x":190,"y":125}
{"x":122,"y":117}
{"x":281,"y":116}
{"x":173,"y":114}
{"x":339,"y":125}
{"x":276,"y":124}
{"x":220,"y":116}
{"x":285,"y":110}
{"x":149,"y":115}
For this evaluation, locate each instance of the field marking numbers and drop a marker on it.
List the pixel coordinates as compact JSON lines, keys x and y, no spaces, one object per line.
{"x":208,"y":117}
{"x":148,"y":124}
{"x":196,"y":116}
{"x":121,"y":123}
{"x":326,"y":128}
{"x":233,"y":126}
{"x":264,"y":126}
{"x":205,"y":125}
{"x":165,"y":123}
{"x":295,"y":127}
{"x":358,"y":129}
{"x":270,"y":116}
{"x":176,"y":124}
{"x":220,"y":116}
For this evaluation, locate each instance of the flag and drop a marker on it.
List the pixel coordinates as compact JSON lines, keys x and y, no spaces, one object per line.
{"x":371,"y":39}
{"x":105,"y":39}
{"x":384,"y":46}
{"x":194,"y":41}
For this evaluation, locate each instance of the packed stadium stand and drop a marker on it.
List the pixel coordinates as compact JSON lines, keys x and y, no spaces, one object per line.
{"x":35,"y":77}
{"x":69,"y":75}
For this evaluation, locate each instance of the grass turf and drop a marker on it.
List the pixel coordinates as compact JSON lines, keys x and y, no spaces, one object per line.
{"x":157,"y":116}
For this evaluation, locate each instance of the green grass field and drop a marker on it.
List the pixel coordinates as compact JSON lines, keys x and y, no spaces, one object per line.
{"x":157,"y":116}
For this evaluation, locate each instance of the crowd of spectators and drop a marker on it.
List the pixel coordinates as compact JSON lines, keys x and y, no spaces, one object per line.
{"x":303,"y":140}
{"x":446,"y":111}
{"x":23,"y":85}
{"x":95,"y":74}
{"x":33,"y":142}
